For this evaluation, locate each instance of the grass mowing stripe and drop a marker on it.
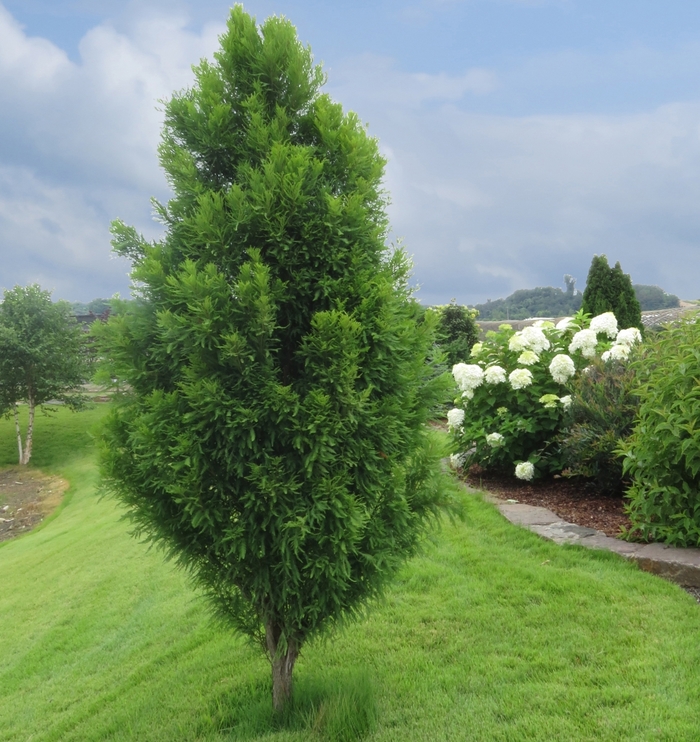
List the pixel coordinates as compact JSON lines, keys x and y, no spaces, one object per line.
{"x":491,"y":634}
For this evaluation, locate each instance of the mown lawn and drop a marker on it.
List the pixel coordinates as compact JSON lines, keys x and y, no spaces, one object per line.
{"x":492,"y":634}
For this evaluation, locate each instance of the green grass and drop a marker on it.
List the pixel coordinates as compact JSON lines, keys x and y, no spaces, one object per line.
{"x":492,"y":634}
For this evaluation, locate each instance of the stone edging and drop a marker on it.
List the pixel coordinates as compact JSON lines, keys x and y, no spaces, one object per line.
{"x":681,"y":566}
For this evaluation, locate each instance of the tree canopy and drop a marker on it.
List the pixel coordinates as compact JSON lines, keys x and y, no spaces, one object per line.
{"x":43,"y":357}
{"x":610,"y":290}
{"x":273,"y":437}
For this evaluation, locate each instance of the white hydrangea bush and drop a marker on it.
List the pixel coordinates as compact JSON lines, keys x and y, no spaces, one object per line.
{"x":514,"y":390}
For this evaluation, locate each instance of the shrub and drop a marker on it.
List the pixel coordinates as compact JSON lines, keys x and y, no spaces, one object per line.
{"x":515,"y":393}
{"x":457,"y":331}
{"x":602,"y":412}
{"x":662,"y":456}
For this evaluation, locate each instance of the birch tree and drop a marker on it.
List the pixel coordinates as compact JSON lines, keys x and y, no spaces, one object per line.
{"x":42,"y":358}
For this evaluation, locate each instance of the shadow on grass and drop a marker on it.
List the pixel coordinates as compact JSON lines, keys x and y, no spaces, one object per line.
{"x":339,"y":709}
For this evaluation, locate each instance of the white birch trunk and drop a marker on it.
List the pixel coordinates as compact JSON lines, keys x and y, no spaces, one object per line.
{"x":19,"y":434}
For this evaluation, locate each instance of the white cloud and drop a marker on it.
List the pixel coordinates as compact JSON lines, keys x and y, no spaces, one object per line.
{"x":78,"y":144}
{"x":488,"y":204}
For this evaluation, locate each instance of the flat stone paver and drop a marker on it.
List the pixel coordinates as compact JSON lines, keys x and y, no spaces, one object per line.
{"x":678,"y":565}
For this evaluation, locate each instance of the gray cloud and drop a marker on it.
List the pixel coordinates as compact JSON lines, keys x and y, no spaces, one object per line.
{"x":489,"y":204}
{"x":486,"y":203}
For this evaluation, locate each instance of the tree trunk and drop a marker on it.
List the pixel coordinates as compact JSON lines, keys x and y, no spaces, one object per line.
{"x":282,"y":665}
{"x":19,"y":433}
{"x":30,"y":432}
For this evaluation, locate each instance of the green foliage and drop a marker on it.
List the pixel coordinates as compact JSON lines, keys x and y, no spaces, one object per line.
{"x":653,"y":297}
{"x":515,"y":393}
{"x":457,"y":331}
{"x":602,"y":413}
{"x":96,"y":306}
{"x":274,"y":438}
{"x":103,"y":641}
{"x":43,"y":356}
{"x":610,"y":290}
{"x":540,"y":302}
{"x":663,"y":454}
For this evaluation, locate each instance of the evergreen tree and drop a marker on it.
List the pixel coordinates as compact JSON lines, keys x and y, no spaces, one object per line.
{"x":273,"y":439}
{"x":628,"y":312}
{"x":457,"y":332}
{"x":610,"y":290}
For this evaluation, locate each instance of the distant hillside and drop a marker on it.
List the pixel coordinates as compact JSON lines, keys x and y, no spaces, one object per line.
{"x":540,"y":302}
{"x":553,"y":302}
{"x":653,"y":297}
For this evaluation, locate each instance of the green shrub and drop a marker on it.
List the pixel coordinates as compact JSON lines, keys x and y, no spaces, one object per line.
{"x":601,"y":414}
{"x":514,"y":395}
{"x":662,"y":456}
{"x":457,"y":331}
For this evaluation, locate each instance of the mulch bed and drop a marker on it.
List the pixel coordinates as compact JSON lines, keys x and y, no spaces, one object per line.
{"x":573,"y":500}
{"x":26,"y":497}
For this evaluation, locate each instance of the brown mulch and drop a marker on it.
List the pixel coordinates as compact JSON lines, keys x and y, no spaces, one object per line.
{"x":27,"y":496}
{"x":573,"y":500}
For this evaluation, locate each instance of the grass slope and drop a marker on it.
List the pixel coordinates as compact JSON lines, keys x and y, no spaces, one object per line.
{"x":493,"y":634}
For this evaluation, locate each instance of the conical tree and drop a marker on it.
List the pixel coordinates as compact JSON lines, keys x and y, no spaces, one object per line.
{"x":610,"y":290}
{"x":273,"y":439}
{"x":629,"y":311}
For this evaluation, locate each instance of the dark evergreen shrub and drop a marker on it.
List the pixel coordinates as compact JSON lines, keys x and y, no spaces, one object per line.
{"x":603,"y":407}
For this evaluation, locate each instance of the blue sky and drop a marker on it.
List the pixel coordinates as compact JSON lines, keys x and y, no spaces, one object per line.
{"x":522,"y":136}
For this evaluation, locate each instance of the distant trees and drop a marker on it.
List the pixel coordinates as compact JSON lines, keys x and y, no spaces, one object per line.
{"x":540,"y":302}
{"x":457,"y":331}
{"x":653,"y":297}
{"x":610,"y":290}
{"x":42,"y":357}
{"x":96,"y":306}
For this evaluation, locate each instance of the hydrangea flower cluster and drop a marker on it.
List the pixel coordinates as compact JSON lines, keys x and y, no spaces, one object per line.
{"x":525,"y":470}
{"x":495,"y":440}
{"x":586,"y":341}
{"x":513,"y":395}
{"x":562,"y":368}
{"x":605,"y":323}
{"x":520,"y":378}
{"x":528,"y":358}
{"x":495,"y":375}
{"x":624,"y":341}
{"x":455,"y":418}
{"x":468,"y":376}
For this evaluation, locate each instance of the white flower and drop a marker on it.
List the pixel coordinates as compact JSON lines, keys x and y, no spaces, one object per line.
{"x":585,"y":341}
{"x":520,"y":378}
{"x":494,"y":440}
{"x":494,"y":375}
{"x":617,"y":353}
{"x":565,"y":401}
{"x":563,"y":324}
{"x":562,"y":368}
{"x":549,"y":400}
{"x":455,"y":418}
{"x":630,"y":336}
{"x":476,"y":349}
{"x":467,"y":376}
{"x":525,"y":471}
{"x":528,"y":358}
{"x":468,"y":394}
{"x":457,"y":460}
{"x":606,"y":323}
{"x":517,"y":343}
{"x":545,"y":324}
{"x":535,"y":339}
